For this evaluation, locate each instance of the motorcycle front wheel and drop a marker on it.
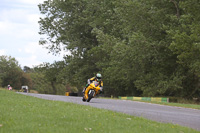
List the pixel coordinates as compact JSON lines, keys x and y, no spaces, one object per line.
{"x":88,"y":100}
{"x":83,"y":99}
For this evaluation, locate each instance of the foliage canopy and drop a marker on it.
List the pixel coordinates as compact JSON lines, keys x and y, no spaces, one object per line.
{"x":148,"y":48}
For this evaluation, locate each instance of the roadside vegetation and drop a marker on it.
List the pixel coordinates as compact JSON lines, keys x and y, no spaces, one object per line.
{"x":21,"y":113}
{"x":184,"y":105}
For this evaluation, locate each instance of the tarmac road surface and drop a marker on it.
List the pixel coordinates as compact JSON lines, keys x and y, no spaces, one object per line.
{"x":161,"y":113}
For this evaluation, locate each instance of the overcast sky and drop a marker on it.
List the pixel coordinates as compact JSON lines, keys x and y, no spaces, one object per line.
{"x":19,"y":36}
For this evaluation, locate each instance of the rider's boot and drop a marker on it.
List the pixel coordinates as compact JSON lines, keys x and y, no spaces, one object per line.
{"x":84,"y":90}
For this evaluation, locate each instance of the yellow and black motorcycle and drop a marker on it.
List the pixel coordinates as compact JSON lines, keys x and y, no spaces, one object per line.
{"x":91,"y":91}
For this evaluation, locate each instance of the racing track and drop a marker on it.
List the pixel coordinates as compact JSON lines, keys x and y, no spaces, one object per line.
{"x":161,"y":113}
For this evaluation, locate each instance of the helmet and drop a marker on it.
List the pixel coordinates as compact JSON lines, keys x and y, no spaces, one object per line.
{"x":8,"y":85}
{"x":98,"y":77}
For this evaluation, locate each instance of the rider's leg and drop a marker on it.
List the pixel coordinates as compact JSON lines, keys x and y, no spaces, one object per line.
{"x":97,"y":90}
{"x":85,"y":88}
{"x":86,"y":93}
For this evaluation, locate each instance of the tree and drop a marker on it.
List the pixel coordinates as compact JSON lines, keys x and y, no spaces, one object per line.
{"x":141,"y":47}
{"x":51,"y":73}
{"x":40,"y":84}
{"x":11,"y":73}
{"x":186,"y":45}
{"x":27,"y":69}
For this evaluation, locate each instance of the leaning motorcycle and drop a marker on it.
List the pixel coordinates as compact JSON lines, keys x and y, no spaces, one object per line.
{"x":91,"y":91}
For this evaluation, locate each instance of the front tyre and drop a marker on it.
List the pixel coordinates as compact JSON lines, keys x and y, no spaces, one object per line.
{"x":91,"y":94}
{"x":88,"y":100}
{"x":83,"y":99}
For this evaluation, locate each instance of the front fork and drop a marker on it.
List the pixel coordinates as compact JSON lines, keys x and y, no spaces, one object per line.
{"x":86,"y":93}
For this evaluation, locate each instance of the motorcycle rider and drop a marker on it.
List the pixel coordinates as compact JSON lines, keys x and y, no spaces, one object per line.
{"x":9,"y":87}
{"x":96,"y":78}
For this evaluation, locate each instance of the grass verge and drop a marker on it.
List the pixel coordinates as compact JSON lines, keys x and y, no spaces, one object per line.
{"x":193,"y":106}
{"x":21,"y":113}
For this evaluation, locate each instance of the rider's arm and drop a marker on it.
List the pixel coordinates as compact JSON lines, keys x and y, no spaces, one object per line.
{"x":101,"y":86}
{"x":90,"y":81}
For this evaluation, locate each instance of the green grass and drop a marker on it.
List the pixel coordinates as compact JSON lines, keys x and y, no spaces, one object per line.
{"x":25,"y":114}
{"x":193,"y":106}
{"x":184,"y":105}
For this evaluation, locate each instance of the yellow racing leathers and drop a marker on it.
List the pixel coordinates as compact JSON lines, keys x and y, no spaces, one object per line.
{"x":97,"y":89}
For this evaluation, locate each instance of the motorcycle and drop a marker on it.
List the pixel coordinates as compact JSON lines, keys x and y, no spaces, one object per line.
{"x":91,"y":91}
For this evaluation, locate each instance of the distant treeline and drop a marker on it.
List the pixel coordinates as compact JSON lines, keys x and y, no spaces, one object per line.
{"x":42,"y":78}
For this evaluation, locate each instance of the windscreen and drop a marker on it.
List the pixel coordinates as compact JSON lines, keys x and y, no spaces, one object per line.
{"x":96,"y":83}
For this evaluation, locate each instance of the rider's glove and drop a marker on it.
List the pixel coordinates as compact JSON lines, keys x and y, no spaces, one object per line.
{"x":87,"y":85}
{"x":88,"y":82}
